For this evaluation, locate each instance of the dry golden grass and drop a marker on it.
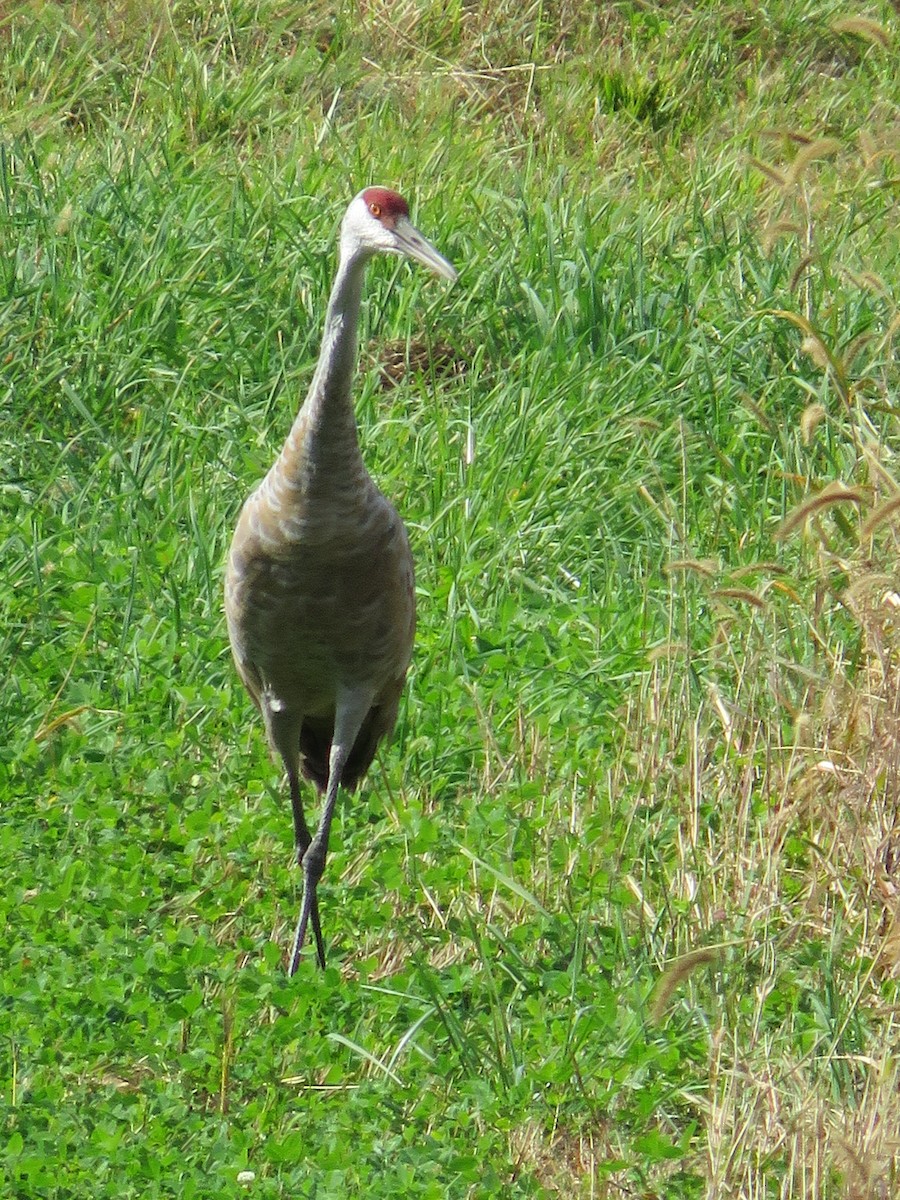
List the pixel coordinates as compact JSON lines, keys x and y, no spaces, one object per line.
{"x":770,"y":1112}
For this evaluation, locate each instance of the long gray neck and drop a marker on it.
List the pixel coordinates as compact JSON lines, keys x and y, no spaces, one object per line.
{"x":322,"y":448}
{"x":330,"y":388}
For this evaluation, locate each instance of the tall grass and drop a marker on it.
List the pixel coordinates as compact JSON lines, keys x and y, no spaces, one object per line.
{"x":616,"y":913}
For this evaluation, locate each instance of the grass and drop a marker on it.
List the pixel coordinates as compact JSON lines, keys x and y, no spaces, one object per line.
{"x":616,"y":913}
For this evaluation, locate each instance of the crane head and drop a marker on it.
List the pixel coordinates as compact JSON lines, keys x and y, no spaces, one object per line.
{"x":377,"y":222}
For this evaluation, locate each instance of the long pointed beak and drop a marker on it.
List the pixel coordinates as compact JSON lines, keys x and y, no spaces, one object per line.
{"x":411,"y":243}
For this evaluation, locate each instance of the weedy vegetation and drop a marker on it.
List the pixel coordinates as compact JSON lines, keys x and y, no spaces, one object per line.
{"x":617,"y":915}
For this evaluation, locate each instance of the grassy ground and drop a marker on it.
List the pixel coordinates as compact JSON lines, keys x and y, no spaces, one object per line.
{"x":616,"y":914}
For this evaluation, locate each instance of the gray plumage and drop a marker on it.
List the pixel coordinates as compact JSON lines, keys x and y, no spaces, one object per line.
{"x":319,"y":594}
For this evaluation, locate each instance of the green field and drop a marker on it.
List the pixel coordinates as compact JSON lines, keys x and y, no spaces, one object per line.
{"x":616,"y":912}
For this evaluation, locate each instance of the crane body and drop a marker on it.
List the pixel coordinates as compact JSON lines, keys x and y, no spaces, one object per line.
{"x":319,"y":594}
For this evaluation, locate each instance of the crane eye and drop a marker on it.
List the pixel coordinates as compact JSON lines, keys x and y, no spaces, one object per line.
{"x":375,"y":208}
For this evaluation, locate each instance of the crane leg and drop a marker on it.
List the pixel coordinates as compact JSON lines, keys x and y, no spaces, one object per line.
{"x":302,"y":839}
{"x":351,"y":712}
{"x":283,"y":727}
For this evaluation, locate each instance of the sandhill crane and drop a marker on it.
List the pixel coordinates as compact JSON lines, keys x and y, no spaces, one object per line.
{"x":319,"y":583}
